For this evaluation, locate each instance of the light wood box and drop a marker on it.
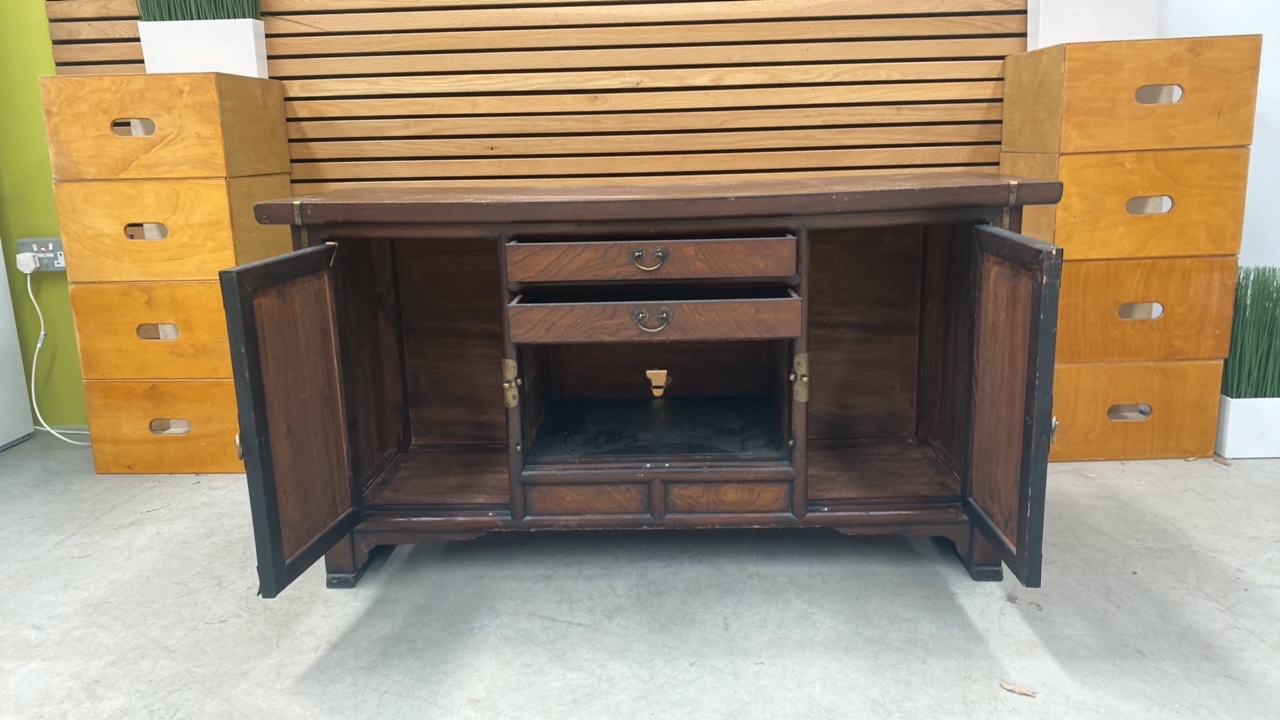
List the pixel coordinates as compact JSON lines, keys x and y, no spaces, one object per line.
{"x":1085,"y":97}
{"x":134,"y":331}
{"x":209,"y":227}
{"x":1183,"y":420}
{"x":121,"y":414}
{"x":1101,"y":193}
{"x":1102,"y":314}
{"x":205,"y":125}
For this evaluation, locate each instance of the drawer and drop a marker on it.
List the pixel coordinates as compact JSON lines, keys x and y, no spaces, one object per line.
{"x":1136,"y":95}
{"x":553,"y":318}
{"x":1173,"y":203}
{"x":532,"y":262}
{"x":1126,"y":310}
{"x":131,"y":230}
{"x":728,"y":497}
{"x":151,"y":330}
{"x":620,"y":499}
{"x":171,"y":426}
{"x":1136,"y":411}
{"x":111,"y":127}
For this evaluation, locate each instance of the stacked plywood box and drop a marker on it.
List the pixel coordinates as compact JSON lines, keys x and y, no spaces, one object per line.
{"x":156,"y":177}
{"x":1150,"y":139}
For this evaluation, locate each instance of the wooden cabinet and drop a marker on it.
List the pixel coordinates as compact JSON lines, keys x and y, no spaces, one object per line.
{"x":867,"y":354}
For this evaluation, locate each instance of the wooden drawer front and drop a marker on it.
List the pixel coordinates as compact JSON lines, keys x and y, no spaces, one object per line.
{"x":728,"y":497}
{"x":1182,"y":420}
{"x":1124,"y":310}
{"x":208,"y":226}
{"x":128,"y":421}
{"x":184,"y":126}
{"x":630,"y":499}
{"x":1108,"y":96}
{"x":651,"y":260}
{"x":151,"y":330}
{"x":730,"y":319}
{"x":1101,"y":193}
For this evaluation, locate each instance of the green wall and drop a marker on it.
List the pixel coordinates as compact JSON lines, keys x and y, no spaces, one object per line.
{"x":26,"y":208}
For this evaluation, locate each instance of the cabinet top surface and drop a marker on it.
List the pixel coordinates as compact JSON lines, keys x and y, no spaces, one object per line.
{"x":568,"y":203}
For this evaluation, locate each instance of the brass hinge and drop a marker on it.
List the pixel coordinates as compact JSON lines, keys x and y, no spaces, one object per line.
{"x":1006,"y":217}
{"x":510,"y":383}
{"x":1053,"y":431}
{"x":800,"y":378}
{"x":303,"y":233}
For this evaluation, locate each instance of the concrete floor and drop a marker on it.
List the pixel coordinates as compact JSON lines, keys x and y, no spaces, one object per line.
{"x":133,"y":597}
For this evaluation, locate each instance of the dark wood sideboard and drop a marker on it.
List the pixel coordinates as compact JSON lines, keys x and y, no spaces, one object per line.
{"x":870,"y":354}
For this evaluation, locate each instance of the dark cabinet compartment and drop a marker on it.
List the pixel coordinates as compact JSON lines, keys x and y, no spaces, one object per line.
{"x":397,"y":384}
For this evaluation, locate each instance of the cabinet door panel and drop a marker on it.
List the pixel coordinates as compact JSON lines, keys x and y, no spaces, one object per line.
{"x":1015,"y":333}
{"x":282,"y":323}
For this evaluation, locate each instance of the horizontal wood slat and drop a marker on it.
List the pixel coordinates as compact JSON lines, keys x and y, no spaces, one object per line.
{"x":650,"y":143}
{"x":480,"y":92}
{"x":317,"y":186}
{"x":645,"y":164}
{"x":705,"y":120}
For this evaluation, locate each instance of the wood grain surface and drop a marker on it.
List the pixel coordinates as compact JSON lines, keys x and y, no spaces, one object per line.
{"x":206,"y":125}
{"x":1197,"y":296}
{"x":208,"y":223}
{"x":721,"y":319}
{"x":1093,"y":107}
{"x":120,"y":417}
{"x":727,"y":497}
{"x":305,"y":410}
{"x":611,"y":90}
{"x":1207,"y":189}
{"x":109,"y":317}
{"x":1002,"y":340}
{"x":1184,"y":410}
{"x":631,"y":499}
{"x":684,"y":260}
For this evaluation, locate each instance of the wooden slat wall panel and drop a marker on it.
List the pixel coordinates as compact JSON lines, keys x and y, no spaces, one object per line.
{"x":487,"y":92}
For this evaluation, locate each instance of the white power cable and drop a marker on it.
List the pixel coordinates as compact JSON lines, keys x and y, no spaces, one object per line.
{"x":35,"y":360}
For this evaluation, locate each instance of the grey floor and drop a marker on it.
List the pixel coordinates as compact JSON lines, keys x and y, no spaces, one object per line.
{"x":133,"y":597}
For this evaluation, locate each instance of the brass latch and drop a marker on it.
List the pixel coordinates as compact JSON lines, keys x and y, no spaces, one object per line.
{"x":1006,"y":218}
{"x":510,"y":383}
{"x":658,"y":381}
{"x":304,"y":236}
{"x":800,"y":378}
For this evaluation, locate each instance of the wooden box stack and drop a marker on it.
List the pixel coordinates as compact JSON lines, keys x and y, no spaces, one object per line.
{"x":1150,"y":139}
{"x":155,"y":181}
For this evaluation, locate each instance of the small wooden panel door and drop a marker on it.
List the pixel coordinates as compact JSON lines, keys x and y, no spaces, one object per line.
{"x":1016,"y":282}
{"x":282,"y":323}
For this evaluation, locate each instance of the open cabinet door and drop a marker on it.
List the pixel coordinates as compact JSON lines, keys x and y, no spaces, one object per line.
{"x":282,"y":322}
{"x":1016,"y":281}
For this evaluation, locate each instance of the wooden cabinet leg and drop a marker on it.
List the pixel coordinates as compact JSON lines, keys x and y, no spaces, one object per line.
{"x":345,"y":563}
{"x":978,"y":556}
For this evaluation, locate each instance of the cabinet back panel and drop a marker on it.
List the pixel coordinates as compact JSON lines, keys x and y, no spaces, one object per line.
{"x":452,"y":320}
{"x":864,"y":322}
{"x":695,"y":369}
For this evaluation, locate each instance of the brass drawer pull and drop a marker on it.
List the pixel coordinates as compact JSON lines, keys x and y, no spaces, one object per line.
{"x":659,"y":254}
{"x":641,"y":316}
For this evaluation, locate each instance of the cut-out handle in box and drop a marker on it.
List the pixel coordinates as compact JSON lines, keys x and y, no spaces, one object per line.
{"x":1159,"y":94}
{"x":1129,"y":412}
{"x":133,"y":127}
{"x":146,"y":231}
{"x":1141,"y":311}
{"x":166,"y":332}
{"x":1149,"y":205}
{"x":170,"y":426}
